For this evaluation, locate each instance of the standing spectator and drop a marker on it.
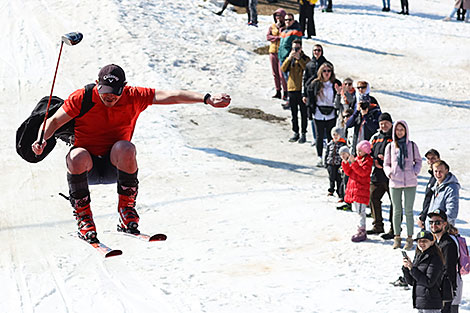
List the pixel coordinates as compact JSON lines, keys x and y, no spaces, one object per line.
{"x":432,"y":156}
{"x":321,"y":94}
{"x":294,"y":65}
{"x":345,"y":99}
{"x":425,"y":274}
{"x":402,"y":163}
{"x":274,"y":37}
{"x":252,"y":7}
{"x":288,"y":35}
{"x":357,"y":190}
{"x":306,"y":12}
{"x":363,"y":93}
{"x":378,"y":180}
{"x":344,"y":154}
{"x":386,"y":7}
{"x":365,"y":121}
{"x":449,"y":248}
{"x":333,"y":162}
{"x":329,"y":6}
{"x":310,"y":74}
{"x":445,"y":192}
{"x":404,"y":7}
{"x":460,"y":7}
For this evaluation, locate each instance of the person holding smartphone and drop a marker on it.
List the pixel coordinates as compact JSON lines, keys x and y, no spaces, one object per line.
{"x":424,"y":273}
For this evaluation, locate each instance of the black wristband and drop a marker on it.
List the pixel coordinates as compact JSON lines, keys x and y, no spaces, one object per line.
{"x":207,"y":96}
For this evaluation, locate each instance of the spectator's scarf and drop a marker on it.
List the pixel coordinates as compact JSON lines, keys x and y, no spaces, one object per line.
{"x":403,"y":152}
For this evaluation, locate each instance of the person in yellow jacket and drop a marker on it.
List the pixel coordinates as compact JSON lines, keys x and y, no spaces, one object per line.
{"x":295,"y":65}
{"x":306,"y":10}
{"x":274,"y":37}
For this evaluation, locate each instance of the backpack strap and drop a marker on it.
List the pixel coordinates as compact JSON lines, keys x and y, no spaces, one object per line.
{"x":87,"y":102}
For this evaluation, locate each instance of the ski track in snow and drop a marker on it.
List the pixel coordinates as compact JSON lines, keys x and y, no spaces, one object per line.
{"x":249,"y":226}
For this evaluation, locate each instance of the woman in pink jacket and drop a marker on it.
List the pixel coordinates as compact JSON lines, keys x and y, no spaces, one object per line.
{"x":402,"y":164}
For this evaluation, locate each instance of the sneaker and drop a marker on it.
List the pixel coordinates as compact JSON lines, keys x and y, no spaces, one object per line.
{"x":345,"y":207}
{"x":128,"y":217}
{"x":320,"y":162}
{"x":253,"y":24}
{"x":294,"y":138}
{"x":400,"y":282}
{"x":360,"y":236}
{"x":330,"y":194}
{"x":388,"y":236}
{"x":84,"y":218}
{"x":396,"y":242}
{"x":303,"y":138}
{"x":375,"y":231}
{"x":408,"y":244}
{"x":446,"y":19}
{"x":286,"y":106}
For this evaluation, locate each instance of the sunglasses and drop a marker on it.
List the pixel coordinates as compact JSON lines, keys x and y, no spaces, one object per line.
{"x":288,"y":19}
{"x":326,"y":71}
{"x":317,"y":50}
{"x":361,"y":87}
{"x":436,"y":222}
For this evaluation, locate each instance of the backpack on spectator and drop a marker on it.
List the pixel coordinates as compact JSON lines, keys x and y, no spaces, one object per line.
{"x":464,"y":258}
{"x":27,"y":133}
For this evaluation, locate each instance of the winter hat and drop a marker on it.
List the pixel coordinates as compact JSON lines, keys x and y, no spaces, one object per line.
{"x":385,"y":117}
{"x":337,"y":130}
{"x":364,"y":146}
{"x":425,"y":234}
{"x":344,"y":149}
{"x":438,"y":212}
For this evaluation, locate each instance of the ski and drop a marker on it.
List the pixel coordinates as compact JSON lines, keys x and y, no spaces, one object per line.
{"x":100,"y":247}
{"x":142,"y":236}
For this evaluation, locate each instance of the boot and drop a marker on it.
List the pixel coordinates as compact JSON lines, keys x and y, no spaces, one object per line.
{"x":84,"y":217}
{"x":375,"y":231}
{"x":408,"y":244}
{"x":303,"y":138}
{"x":360,"y":236}
{"x":128,"y":217}
{"x":396,"y":242}
{"x":294,"y":138}
{"x":388,"y":236}
{"x":284,"y":96}
{"x":277,"y":95}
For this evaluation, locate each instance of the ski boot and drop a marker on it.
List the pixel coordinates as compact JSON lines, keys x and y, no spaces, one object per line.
{"x":128,"y":217}
{"x":84,"y":217}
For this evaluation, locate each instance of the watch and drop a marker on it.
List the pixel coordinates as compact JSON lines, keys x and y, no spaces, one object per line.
{"x":206,"y":97}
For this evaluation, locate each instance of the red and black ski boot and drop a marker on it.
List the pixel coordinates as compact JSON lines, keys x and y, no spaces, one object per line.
{"x":128,"y":217}
{"x":84,"y":217}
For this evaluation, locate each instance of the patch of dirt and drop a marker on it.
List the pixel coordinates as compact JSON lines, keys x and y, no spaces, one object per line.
{"x":258,"y":114}
{"x":262,"y":50}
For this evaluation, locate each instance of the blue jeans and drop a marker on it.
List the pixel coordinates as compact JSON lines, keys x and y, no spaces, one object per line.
{"x":386,"y":5}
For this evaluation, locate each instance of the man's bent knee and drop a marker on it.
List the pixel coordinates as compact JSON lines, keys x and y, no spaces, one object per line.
{"x":79,"y":161}
{"x":123,"y":156}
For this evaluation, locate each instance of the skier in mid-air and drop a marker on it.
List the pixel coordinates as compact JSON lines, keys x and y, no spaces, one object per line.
{"x":102,"y":151}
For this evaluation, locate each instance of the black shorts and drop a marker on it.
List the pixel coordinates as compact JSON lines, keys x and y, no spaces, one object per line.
{"x":102,"y":171}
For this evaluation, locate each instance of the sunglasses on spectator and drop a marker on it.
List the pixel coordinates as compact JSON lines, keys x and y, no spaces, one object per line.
{"x":435,"y":222}
{"x":317,"y":50}
{"x":289,"y":19}
{"x":361,"y":87}
{"x":326,"y":71}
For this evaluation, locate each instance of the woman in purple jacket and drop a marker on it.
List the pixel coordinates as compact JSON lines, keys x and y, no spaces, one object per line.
{"x":402,"y":164}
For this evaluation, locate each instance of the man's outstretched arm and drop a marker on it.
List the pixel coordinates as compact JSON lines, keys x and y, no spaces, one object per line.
{"x":220,"y":100}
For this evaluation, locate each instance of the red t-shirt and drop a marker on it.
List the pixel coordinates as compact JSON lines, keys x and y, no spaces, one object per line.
{"x":101,"y":127}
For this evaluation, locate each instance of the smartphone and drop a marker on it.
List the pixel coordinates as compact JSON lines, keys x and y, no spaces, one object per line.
{"x":404,"y":254}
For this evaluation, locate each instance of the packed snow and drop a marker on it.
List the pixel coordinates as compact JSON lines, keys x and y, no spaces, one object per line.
{"x":249,"y":225}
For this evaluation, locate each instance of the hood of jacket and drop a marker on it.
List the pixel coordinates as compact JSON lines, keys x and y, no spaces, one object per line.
{"x":407,"y":135}
{"x":449,"y":180}
{"x":279,"y":11}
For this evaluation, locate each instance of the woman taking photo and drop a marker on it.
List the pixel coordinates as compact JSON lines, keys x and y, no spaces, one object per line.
{"x":425,"y":274}
{"x":402,"y":163}
{"x":321,"y":93}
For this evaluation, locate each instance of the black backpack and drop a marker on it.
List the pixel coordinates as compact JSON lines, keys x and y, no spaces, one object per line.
{"x":27,"y":133}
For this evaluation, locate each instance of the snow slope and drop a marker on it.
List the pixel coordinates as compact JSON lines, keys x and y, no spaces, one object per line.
{"x":248,"y":223}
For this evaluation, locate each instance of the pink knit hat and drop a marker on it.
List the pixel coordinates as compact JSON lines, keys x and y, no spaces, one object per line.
{"x":364,"y":146}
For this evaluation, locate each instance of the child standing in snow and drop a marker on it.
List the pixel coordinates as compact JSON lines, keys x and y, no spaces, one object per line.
{"x":358,"y":189}
{"x":333,"y":161}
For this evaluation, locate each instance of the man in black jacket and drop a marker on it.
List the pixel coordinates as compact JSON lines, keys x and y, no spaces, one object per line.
{"x":432,"y":156}
{"x":378,"y":180}
{"x":438,"y":224}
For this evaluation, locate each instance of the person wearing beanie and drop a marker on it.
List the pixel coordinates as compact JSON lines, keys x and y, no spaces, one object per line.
{"x":333,"y":162}
{"x":358,"y":189}
{"x":378,"y":180}
{"x":365,"y":120}
{"x":402,"y":164}
{"x":274,"y":37}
